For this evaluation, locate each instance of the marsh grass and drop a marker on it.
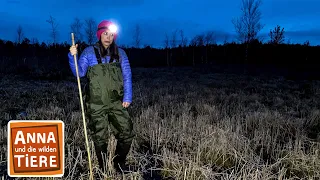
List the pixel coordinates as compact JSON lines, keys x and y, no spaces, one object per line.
{"x":190,"y":125}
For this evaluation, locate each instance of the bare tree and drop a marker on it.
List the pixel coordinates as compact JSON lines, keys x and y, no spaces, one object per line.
{"x":54,"y":30}
{"x":248,"y":24}
{"x":209,"y":38}
{"x":167,"y":45}
{"x":166,"y":41}
{"x":137,"y":35}
{"x":20,"y":34}
{"x":26,"y":41}
{"x":76,"y":28}
{"x":184,"y":40}
{"x":174,"y":39}
{"x":226,"y":37}
{"x":193,"y":41}
{"x":35,"y":41}
{"x":90,"y":29}
{"x":198,"y":40}
{"x":277,"y":35}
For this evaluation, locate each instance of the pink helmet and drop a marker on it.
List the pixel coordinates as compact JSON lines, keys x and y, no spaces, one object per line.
{"x":103,"y":26}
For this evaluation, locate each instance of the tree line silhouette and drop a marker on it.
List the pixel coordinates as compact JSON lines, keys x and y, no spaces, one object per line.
{"x":248,"y":55}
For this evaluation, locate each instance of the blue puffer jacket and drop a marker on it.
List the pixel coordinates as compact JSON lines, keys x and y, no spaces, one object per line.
{"x":88,"y":58}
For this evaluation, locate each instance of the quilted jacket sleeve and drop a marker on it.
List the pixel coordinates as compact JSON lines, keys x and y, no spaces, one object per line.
{"x":83,"y":63}
{"x":127,"y":76}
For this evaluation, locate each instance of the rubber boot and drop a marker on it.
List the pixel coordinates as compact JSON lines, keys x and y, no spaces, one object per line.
{"x":99,"y":151}
{"x":121,"y":153}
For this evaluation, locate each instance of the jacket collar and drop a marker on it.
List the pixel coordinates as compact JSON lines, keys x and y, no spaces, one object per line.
{"x":97,"y":45}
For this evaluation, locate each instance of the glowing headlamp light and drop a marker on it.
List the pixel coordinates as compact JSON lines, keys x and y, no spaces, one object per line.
{"x":113,"y":28}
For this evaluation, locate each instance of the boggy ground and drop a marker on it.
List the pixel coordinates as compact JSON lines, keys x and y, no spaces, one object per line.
{"x":189,"y":124}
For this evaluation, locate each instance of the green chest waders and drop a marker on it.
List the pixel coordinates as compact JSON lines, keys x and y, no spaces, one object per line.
{"x":103,"y":100}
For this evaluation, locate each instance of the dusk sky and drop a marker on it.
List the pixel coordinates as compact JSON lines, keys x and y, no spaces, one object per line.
{"x":300,"y":18}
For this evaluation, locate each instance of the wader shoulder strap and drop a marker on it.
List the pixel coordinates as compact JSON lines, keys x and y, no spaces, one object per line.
{"x":96,"y":51}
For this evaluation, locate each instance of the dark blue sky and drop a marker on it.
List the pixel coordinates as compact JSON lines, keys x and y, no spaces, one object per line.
{"x":300,"y":18}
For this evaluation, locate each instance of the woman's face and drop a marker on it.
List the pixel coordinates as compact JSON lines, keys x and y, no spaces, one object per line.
{"x":107,"y":38}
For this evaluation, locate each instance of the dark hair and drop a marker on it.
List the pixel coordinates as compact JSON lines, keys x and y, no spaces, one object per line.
{"x":112,"y":50}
